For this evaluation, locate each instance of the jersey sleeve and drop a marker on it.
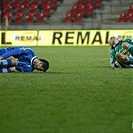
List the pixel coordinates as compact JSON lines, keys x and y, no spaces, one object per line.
{"x":15,"y":52}
{"x":129,"y":40}
{"x":24,"y":68}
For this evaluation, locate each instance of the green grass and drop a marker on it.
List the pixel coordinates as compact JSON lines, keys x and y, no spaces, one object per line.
{"x":80,"y":93}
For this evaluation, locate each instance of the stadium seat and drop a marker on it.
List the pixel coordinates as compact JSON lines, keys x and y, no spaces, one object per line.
{"x":33,"y":7}
{"x":26,"y":4}
{"x":5,"y":4}
{"x":18,"y":17}
{"x":97,"y":4}
{"x":45,"y":1}
{"x":78,"y":17}
{"x":74,"y":10}
{"x":15,"y":4}
{"x":81,"y":1}
{"x":35,"y":3}
{"x":130,"y":15}
{"x":68,"y":18}
{"x":123,"y":15}
{"x":79,"y":5}
{"x":131,"y":7}
{"x":129,"y":20}
{"x":46,"y":10}
{"x":8,"y":9}
{"x":89,"y":10}
{"x":40,"y":18}
{"x":20,"y":8}
{"x":82,"y":10}
{"x":29,"y":18}
{"x":53,"y":4}
{"x":121,"y":20}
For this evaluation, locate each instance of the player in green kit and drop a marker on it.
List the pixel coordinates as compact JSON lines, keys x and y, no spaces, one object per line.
{"x":121,"y":52}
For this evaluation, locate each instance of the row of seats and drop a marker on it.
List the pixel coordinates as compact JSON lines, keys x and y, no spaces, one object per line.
{"x":39,"y":10}
{"x":83,"y":8}
{"x":127,"y":17}
{"x":28,"y":11}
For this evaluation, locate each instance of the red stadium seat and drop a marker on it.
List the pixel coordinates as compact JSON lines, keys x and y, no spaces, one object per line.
{"x":46,"y":10}
{"x":35,"y":3}
{"x":97,"y":4}
{"x":18,"y":17}
{"x":45,"y":1}
{"x":121,"y":20}
{"x":8,"y":9}
{"x":82,"y":9}
{"x":123,"y":15}
{"x":20,"y":8}
{"x":130,"y":15}
{"x":81,"y":1}
{"x":40,"y":18}
{"x":33,"y":7}
{"x":131,"y":7}
{"x":79,"y":5}
{"x":68,"y":18}
{"x":15,"y":4}
{"x":74,"y":10}
{"x":53,"y":4}
{"x":129,"y":20}
{"x":29,"y":17}
{"x":78,"y":17}
{"x":25,"y":3}
{"x":89,"y":10}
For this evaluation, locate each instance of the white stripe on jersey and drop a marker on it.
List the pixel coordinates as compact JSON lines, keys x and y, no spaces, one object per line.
{"x":33,"y":57}
{"x":4,"y":70}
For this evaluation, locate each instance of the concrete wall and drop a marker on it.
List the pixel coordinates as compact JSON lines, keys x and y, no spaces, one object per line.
{"x":89,"y":25}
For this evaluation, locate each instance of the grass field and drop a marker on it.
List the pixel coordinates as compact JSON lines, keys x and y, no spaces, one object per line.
{"x":80,"y":93}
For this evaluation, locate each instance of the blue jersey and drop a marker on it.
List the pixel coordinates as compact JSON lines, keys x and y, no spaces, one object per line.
{"x":24,"y":55}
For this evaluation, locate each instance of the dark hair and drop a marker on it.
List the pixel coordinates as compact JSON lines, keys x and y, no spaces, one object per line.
{"x":45,"y":64}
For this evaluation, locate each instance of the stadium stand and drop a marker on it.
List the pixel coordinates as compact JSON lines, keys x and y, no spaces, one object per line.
{"x":127,"y":16}
{"x":64,"y":14}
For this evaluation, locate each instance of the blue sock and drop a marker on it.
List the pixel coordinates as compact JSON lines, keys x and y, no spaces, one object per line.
{"x":5,"y":63}
{"x":5,"y":70}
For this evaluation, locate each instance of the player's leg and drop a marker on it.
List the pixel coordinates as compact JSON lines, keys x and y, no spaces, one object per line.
{"x":123,"y":59}
{"x":7,"y":70}
{"x":11,"y":61}
{"x":129,"y":48}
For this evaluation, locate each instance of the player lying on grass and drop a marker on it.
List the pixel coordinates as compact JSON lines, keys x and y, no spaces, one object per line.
{"x":22,"y":59}
{"x":121,"y":52}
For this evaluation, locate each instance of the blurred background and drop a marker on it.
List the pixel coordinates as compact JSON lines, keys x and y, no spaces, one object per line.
{"x":66,"y":14}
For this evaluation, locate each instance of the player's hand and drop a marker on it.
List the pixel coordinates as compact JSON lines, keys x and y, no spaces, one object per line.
{"x":117,"y":64}
{"x":1,"y":57}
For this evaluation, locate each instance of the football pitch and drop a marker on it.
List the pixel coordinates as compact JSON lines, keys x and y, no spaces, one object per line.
{"x":79,"y":93}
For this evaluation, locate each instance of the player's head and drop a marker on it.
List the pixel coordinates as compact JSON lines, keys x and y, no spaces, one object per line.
{"x":45,"y":65}
{"x":113,"y":41}
{"x":41,"y":64}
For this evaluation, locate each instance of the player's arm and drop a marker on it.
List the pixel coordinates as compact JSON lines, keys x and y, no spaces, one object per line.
{"x":9,"y":62}
{"x":112,"y":58}
{"x":15,"y":52}
{"x":7,"y":70}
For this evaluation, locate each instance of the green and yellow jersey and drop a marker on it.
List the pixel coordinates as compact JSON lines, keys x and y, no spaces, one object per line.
{"x":119,"y":48}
